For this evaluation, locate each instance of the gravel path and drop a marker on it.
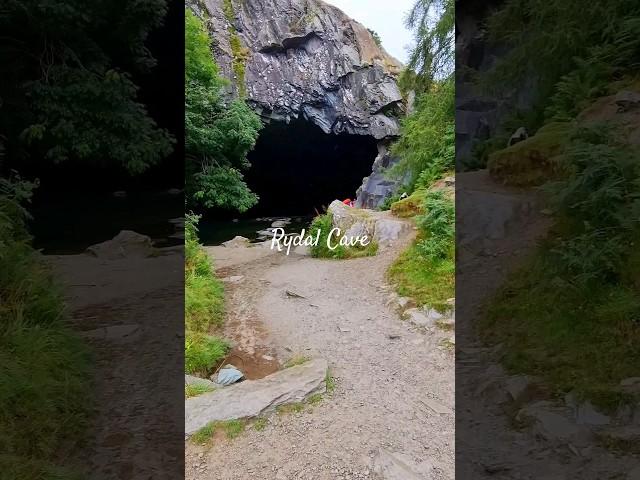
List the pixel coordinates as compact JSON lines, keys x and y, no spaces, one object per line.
{"x":386,"y":372}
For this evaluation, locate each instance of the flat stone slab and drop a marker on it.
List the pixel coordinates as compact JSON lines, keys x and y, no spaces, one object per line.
{"x":252,"y":397}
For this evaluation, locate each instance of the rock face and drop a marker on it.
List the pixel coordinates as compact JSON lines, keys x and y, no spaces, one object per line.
{"x":306,"y":59}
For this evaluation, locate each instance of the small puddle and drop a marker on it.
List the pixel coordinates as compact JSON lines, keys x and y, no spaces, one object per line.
{"x":254,"y":365}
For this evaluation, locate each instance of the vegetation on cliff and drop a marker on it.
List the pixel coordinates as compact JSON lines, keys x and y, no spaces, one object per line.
{"x":219,"y":131}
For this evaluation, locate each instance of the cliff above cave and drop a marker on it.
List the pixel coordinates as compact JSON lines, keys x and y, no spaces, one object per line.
{"x":305,"y":58}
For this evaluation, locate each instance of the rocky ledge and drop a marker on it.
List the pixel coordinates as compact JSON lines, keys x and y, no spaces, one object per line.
{"x":293,"y":58}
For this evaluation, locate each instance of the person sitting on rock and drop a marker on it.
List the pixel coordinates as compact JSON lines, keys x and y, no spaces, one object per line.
{"x":348,"y":202}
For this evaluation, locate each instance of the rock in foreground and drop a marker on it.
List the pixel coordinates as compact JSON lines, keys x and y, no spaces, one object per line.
{"x":253,"y":397}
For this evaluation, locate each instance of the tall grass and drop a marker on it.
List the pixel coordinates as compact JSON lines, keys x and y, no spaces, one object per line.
{"x":44,"y":376}
{"x":204,"y":305}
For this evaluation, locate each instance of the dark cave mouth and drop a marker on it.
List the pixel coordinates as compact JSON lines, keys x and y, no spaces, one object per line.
{"x":297,"y":169}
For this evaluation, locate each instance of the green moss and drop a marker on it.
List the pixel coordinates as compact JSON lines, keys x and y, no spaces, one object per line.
{"x":411,"y":206}
{"x":239,"y":53}
{"x":534,"y":160}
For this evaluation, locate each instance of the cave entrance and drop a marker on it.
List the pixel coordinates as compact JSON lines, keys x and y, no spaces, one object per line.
{"x":296,"y":168}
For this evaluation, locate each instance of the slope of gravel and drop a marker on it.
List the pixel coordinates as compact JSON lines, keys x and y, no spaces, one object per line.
{"x":384,"y":371}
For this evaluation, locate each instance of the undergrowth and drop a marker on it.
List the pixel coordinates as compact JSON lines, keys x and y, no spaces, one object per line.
{"x":572,"y":315}
{"x":425,"y":271}
{"x":204,"y":306}
{"x":45,"y":392}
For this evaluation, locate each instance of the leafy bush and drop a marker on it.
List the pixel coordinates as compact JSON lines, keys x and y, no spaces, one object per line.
{"x":574,"y":51}
{"x":600,"y":202}
{"x":426,"y":148}
{"x":437,"y":226}
{"x":45,"y":383}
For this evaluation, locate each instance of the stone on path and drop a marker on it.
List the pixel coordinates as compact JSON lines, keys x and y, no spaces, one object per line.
{"x":253,"y":397}
{"x":125,"y":244}
{"x":115,"y":333}
{"x":233,"y":279}
{"x":237,"y":242}
{"x":397,"y":466}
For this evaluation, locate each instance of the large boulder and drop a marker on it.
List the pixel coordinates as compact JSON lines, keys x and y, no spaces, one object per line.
{"x":379,"y":226}
{"x":124,"y":245}
{"x":250,"y":398}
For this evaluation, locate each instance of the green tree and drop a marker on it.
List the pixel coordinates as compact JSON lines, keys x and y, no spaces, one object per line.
{"x":433,"y":54}
{"x":65,"y":85}
{"x":426,"y":147}
{"x":218,"y":133}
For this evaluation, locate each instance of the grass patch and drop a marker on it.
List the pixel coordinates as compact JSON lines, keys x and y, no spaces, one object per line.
{"x":230,"y":428}
{"x":204,"y":306}
{"x":260,"y":423}
{"x":296,"y":407}
{"x":428,"y":281}
{"x":330,"y":382}
{"x":195,"y":389}
{"x":585,"y":342}
{"x":45,"y":385}
{"x":202,"y":352}
{"x":297,"y":360}
{"x":533,"y":161}
{"x":315,"y":399}
{"x":426,"y":270}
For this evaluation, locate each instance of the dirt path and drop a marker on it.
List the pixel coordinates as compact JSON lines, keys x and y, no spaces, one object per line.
{"x":131,"y":313}
{"x":384,"y":371}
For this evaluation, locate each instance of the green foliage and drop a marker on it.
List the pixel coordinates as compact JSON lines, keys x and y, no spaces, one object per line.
{"x":592,"y":75}
{"x":195,"y":389}
{"x":44,"y":385}
{"x":376,"y":37}
{"x":426,"y":147}
{"x":580,"y":291}
{"x":574,"y":51}
{"x":432,"y":57}
{"x":601,"y":203}
{"x":438,"y":226}
{"x":204,"y":305}
{"x":428,"y":281}
{"x":231,"y":428}
{"x":218,"y":133}
{"x":66,"y":81}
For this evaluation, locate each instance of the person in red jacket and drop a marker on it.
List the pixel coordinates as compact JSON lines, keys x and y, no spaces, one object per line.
{"x":348,"y":201}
